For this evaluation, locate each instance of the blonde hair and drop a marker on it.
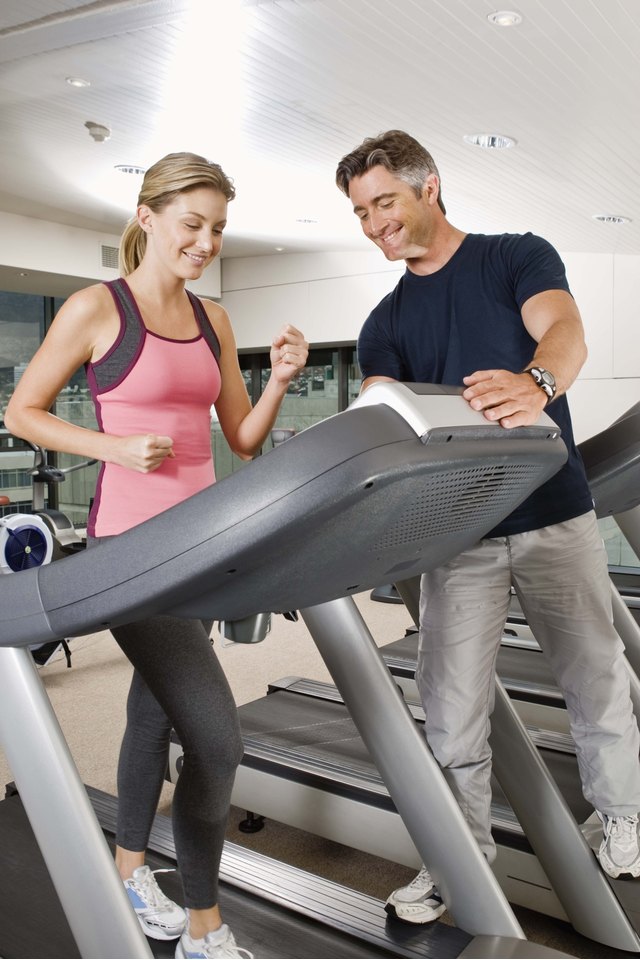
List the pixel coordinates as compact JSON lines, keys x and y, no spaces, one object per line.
{"x":175,"y":174}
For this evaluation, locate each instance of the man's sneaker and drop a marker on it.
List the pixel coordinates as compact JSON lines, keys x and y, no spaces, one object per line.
{"x":619,"y":852}
{"x":217,"y":944}
{"x":159,"y":917}
{"x":418,"y":902}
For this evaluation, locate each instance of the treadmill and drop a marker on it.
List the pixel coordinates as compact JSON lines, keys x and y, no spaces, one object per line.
{"x":612,"y":462}
{"x":409,"y":476}
{"x":332,"y":786}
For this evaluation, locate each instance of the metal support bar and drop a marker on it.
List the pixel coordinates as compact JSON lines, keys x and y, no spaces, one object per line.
{"x":629,"y":523}
{"x":552,"y":831}
{"x":549,"y":825}
{"x":629,"y":632}
{"x":74,"y":848}
{"x":413,"y":778}
{"x":409,"y":590}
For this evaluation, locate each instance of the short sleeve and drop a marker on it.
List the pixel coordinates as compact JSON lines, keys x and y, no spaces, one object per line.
{"x":378,"y":356}
{"x":534,"y":265}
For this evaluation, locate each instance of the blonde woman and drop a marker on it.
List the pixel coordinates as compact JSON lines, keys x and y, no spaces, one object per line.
{"x":157,"y":358}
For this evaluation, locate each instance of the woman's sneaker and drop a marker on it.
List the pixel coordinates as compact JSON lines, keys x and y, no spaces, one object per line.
{"x":159,"y":917}
{"x":217,"y":944}
{"x":619,"y":853}
{"x":418,"y":902}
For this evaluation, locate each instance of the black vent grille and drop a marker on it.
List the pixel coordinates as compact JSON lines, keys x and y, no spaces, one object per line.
{"x":109,"y":256}
{"x":455,"y":501}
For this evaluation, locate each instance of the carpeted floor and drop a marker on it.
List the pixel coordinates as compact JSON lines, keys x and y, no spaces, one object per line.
{"x":89,"y":700}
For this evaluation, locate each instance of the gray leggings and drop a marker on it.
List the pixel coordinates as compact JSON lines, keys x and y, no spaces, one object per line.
{"x":178,"y":683}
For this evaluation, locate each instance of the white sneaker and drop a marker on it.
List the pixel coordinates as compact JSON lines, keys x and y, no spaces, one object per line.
{"x":418,"y":902}
{"x":159,"y":917}
{"x":217,"y":944}
{"x":619,"y":852}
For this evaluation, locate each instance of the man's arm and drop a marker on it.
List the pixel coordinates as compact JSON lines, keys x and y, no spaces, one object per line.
{"x":553,"y":320}
{"x":514,"y":399}
{"x":369,"y":380}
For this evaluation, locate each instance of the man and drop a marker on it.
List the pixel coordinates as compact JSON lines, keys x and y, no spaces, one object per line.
{"x":494,"y":314}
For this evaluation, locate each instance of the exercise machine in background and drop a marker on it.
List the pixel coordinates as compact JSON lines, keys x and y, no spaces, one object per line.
{"x":44,"y":533}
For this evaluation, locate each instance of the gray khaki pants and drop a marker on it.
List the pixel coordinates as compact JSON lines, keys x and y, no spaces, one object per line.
{"x":560,"y":576}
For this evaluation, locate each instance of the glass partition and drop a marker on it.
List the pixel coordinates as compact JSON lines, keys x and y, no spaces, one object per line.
{"x":224,"y":460}
{"x":329,"y":382}
{"x":620,"y":553}
{"x":312,"y":396}
{"x":21,"y":331}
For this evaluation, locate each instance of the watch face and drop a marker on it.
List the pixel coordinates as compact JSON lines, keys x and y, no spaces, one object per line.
{"x":545,"y":380}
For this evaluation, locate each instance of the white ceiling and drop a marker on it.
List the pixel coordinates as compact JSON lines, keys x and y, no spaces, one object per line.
{"x":278,"y":90}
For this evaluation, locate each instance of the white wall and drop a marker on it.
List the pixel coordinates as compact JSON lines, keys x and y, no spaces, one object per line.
{"x":39,"y":246}
{"x":607,"y":291}
{"x":326,"y":295}
{"x":329,"y":296}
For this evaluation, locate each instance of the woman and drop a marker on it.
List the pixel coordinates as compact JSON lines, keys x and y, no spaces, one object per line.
{"x":157,"y":358}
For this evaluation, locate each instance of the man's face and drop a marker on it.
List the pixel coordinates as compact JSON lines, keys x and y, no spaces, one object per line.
{"x":390,"y":213}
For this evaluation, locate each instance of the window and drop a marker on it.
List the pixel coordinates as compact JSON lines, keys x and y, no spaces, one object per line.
{"x":224,"y":460}
{"x":21,"y":332}
{"x":312,"y":396}
{"x":73,"y":496}
{"x":329,"y":382}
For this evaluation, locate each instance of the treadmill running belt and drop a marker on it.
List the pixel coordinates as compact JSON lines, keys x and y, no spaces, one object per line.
{"x":315,"y":741}
{"x":265,"y":928}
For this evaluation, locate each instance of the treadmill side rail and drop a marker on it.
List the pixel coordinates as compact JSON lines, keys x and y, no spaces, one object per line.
{"x":74,"y":848}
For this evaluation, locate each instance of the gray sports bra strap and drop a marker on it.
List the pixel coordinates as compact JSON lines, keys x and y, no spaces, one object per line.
{"x":204,"y":323}
{"x":122,"y":356}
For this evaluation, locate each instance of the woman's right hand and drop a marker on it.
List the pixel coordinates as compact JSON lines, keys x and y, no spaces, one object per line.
{"x":142,"y":452}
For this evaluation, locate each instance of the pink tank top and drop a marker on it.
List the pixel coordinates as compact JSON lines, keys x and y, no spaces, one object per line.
{"x":150,"y":384}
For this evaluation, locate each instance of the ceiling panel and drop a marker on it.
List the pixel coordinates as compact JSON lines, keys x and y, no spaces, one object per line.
{"x":277,"y":91}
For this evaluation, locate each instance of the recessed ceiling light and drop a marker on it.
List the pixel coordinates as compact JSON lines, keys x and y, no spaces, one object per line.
{"x":489,"y":141}
{"x":23,"y":273}
{"x":279,"y":249}
{"x":504,"y":18}
{"x":130,"y":168}
{"x":78,"y":82}
{"x":610,"y":218}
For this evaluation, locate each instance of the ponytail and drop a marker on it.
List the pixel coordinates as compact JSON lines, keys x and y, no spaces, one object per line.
{"x":133,"y":244}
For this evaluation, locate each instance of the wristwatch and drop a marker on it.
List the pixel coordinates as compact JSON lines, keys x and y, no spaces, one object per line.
{"x":545,"y":380}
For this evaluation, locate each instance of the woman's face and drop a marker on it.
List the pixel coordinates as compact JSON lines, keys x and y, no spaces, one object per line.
{"x":186,"y":235}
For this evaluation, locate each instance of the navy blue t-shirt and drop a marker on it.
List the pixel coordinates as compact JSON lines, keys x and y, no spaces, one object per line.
{"x":466,"y":317}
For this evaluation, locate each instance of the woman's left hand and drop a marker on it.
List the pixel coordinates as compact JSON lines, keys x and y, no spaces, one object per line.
{"x":289,"y":352}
